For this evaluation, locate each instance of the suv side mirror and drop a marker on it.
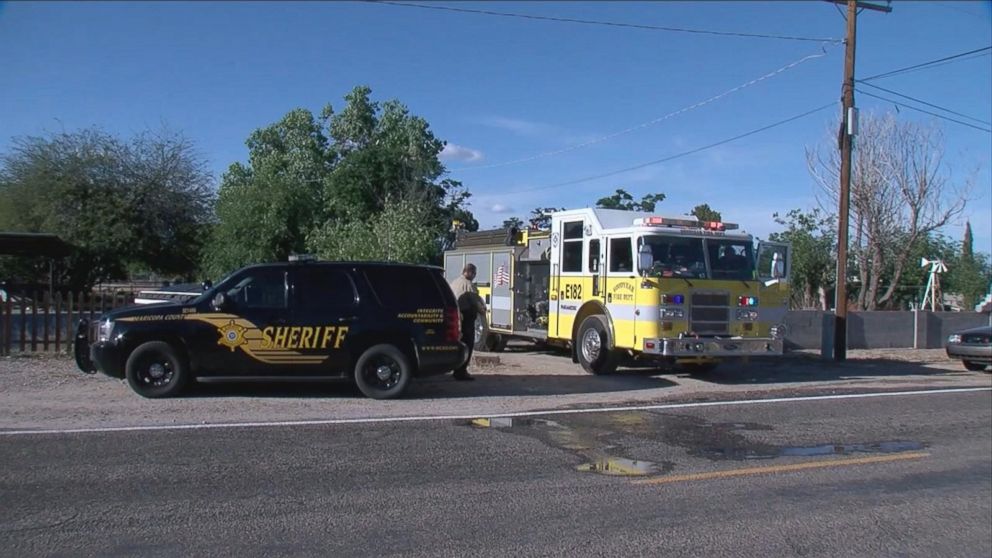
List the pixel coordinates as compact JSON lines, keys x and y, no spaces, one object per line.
{"x":220,"y":302}
{"x":645,"y":259}
{"x":207,"y":285}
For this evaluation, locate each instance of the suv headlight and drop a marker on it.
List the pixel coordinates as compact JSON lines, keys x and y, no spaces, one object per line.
{"x":106,"y":328}
{"x":954,"y":338}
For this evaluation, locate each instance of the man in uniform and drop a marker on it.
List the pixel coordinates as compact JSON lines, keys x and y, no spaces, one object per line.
{"x":471,"y":306}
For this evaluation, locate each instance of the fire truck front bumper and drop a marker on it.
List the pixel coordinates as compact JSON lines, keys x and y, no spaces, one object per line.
{"x":714,"y":347}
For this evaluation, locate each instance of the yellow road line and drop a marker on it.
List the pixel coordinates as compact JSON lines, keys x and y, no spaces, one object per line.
{"x":785,"y":468}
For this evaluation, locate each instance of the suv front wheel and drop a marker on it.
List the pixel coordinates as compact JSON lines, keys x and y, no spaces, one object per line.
{"x":154,"y":369}
{"x":383,"y":372}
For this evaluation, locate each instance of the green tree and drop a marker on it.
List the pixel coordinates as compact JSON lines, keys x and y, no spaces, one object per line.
{"x":401,"y":232}
{"x":308,"y":175}
{"x":512,"y":222}
{"x":813,"y":262}
{"x":139,"y":204}
{"x":621,"y":199}
{"x":704,"y":213}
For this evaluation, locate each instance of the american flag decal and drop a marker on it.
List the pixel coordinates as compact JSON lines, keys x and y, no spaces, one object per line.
{"x":502,"y":276}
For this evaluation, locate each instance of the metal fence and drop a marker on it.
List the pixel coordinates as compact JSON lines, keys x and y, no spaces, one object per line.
{"x":40,"y":322}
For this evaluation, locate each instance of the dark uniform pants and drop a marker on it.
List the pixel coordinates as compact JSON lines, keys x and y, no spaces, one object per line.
{"x":468,"y":337}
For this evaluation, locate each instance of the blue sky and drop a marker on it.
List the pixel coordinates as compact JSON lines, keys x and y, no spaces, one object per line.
{"x":504,"y":89}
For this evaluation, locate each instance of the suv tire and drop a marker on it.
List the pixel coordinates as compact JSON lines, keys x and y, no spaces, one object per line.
{"x":593,"y":347}
{"x":974,"y":366}
{"x":383,"y":372}
{"x":155,"y":369}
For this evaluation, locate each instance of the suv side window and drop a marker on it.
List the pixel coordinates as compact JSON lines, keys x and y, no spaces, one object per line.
{"x":322,"y":289}
{"x":405,"y":289}
{"x":260,"y":288}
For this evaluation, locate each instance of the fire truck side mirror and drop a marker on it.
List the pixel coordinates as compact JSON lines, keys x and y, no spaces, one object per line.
{"x":778,"y":266}
{"x":645,"y":259}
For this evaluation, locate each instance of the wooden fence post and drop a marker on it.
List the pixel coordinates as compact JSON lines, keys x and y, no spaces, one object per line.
{"x":34,"y":322}
{"x":45,"y":307}
{"x":3,"y":327}
{"x":24,"y":320}
{"x":71,"y":328}
{"x":58,"y":322}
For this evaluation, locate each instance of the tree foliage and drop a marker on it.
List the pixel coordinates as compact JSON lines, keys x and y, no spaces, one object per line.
{"x":138,"y":204}
{"x":512,"y":222}
{"x":900,"y":194}
{"x":309,"y":176}
{"x":703,"y":212}
{"x":621,"y":199}
{"x":811,"y":235}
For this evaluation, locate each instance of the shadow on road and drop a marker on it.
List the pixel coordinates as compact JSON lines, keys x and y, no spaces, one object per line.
{"x":802,"y":368}
{"x":443,"y":387}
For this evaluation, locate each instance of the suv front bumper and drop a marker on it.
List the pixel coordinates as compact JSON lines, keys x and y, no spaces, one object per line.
{"x":714,"y":347}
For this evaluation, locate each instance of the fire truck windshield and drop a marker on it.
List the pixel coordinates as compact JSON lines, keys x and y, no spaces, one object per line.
{"x":682,"y":256}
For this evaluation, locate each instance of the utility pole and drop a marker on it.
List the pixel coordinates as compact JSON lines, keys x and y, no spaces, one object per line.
{"x":848,"y":128}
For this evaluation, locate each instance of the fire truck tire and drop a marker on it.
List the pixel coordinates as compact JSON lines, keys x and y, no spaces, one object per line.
{"x":699,"y":368}
{"x":487,"y":341}
{"x":594,"y":348}
{"x":154,"y":369}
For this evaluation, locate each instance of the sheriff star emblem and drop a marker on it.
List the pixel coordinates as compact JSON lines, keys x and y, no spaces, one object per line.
{"x":232,"y":335}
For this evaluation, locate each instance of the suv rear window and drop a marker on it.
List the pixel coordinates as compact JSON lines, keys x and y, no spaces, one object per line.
{"x":408,"y":288}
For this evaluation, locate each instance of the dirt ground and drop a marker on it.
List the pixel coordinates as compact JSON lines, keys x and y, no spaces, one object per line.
{"x":47,"y":392}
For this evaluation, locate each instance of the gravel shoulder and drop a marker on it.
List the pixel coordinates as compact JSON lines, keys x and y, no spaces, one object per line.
{"x":47,"y":392}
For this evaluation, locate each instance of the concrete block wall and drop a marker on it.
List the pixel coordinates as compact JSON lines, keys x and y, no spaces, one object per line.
{"x":808,"y":329}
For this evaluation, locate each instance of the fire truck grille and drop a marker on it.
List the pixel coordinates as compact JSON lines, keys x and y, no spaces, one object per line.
{"x":710,"y":313}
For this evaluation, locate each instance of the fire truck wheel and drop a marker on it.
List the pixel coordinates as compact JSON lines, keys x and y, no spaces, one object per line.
{"x":699,"y":368}
{"x":487,"y":341}
{"x":592,"y":344}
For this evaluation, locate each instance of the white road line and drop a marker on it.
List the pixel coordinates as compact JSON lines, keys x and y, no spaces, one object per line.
{"x":373,"y":420}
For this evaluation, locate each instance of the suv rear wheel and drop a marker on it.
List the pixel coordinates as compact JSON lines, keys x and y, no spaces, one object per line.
{"x":383,"y":372}
{"x":154,"y":369}
{"x":974,"y":366}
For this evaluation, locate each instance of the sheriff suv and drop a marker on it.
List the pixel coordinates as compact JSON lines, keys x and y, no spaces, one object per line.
{"x":378,"y":324}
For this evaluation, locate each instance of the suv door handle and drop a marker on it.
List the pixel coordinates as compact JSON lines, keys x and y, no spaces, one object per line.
{"x":347,"y":319}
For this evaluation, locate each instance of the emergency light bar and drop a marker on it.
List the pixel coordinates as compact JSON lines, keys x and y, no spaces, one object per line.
{"x":688,"y":223}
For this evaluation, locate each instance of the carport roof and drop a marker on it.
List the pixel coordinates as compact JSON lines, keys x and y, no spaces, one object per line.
{"x":33,"y":244}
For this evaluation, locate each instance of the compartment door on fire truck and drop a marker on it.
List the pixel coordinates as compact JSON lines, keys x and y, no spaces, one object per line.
{"x":567,"y":283}
{"x":501,"y":301}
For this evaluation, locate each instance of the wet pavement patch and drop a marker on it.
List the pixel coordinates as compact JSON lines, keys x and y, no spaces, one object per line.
{"x":846,"y":449}
{"x":603,"y":442}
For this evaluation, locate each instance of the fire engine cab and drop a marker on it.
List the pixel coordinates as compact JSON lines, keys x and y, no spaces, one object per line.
{"x":612,"y":284}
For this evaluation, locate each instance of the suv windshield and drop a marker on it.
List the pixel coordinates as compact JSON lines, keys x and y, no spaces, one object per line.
{"x":679,"y":256}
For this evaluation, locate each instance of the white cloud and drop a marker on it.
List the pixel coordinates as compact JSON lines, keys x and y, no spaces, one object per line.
{"x":519,"y":126}
{"x":454,"y":152}
{"x":500,"y":208}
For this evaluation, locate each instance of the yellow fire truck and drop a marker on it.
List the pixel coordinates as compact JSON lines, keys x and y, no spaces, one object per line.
{"x":612,"y":284}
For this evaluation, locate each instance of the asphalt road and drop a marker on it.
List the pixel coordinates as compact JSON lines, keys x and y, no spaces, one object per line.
{"x":893,"y":475}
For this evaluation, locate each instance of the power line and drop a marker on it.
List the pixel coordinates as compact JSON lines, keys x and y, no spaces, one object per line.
{"x":676,"y":156}
{"x":938,"y":107}
{"x":649,"y":122}
{"x":606,"y":23}
{"x":926,"y":64}
{"x":897,"y":103}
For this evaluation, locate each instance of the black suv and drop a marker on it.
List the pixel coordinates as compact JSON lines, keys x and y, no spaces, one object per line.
{"x":379,"y":324}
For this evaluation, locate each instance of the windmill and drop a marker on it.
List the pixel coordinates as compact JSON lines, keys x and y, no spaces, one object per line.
{"x":933,"y":295}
